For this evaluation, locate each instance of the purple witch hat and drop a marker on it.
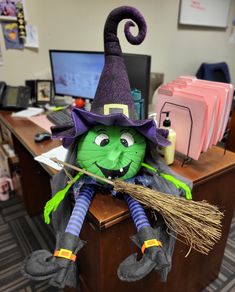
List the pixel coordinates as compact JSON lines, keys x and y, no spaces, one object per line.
{"x":113,"y":103}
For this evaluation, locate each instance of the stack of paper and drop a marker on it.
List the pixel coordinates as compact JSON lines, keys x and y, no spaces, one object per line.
{"x":59,"y":152}
{"x":199,"y":112}
{"x":29,"y":112}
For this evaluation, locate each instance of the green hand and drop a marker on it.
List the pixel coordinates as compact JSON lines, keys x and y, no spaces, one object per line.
{"x":178,"y":183}
{"x":54,"y":202}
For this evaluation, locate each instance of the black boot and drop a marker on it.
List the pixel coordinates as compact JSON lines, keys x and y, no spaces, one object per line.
{"x":154,"y":256}
{"x":60,"y":268}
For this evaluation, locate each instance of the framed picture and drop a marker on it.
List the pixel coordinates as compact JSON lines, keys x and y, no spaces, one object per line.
{"x":43,"y":91}
{"x":8,"y":9}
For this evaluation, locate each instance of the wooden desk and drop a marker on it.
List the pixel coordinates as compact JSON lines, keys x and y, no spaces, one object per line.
{"x":35,"y":178}
{"x":108,"y":227}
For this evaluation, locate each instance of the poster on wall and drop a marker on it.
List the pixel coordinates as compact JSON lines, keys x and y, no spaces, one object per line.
{"x":31,"y":37}
{"x":11,"y":35}
{"x":212,"y":13}
{"x":8,"y":9}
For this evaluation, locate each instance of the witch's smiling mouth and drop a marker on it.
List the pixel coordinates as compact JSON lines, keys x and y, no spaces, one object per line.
{"x":110,"y":173}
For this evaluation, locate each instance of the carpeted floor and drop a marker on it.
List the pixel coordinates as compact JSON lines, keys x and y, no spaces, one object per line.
{"x":20,"y":235}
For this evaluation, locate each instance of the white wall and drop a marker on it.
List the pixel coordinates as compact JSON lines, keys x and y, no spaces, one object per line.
{"x":78,"y":25}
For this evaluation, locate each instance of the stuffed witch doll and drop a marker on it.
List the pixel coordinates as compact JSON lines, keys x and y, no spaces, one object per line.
{"x":109,"y":142}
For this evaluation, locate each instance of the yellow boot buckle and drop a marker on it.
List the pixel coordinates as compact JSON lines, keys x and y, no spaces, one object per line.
{"x":150,"y":243}
{"x":66,"y":254}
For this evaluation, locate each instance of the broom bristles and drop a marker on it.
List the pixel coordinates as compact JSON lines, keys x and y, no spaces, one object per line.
{"x":197,"y":222}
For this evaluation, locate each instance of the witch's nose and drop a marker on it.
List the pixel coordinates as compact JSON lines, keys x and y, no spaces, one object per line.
{"x":114,"y":154}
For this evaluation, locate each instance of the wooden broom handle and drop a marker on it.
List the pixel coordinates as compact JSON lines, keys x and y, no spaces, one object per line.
{"x":82,"y":170}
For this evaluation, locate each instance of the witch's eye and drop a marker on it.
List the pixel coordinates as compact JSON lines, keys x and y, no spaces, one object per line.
{"x":102,"y":140}
{"x":127,"y":139}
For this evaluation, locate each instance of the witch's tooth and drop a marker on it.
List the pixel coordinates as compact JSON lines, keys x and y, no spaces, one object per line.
{"x":121,"y":169}
{"x":109,"y":177}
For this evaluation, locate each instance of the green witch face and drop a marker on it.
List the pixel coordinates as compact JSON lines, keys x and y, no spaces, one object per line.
{"x":111,"y":151}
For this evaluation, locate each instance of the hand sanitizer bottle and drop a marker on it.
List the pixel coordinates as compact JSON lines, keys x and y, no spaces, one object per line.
{"x":168,"y":152}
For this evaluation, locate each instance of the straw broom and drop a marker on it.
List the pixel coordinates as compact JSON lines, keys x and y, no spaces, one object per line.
{"x":197,"y":222}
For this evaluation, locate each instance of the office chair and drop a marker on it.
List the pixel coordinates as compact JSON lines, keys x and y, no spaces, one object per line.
{"x":214,"y":72}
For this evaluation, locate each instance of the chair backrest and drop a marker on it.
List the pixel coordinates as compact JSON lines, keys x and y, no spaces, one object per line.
{"x":218,"y":72}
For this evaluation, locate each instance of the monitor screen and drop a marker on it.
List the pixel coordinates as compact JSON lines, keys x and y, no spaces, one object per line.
{"x":77,"y":73}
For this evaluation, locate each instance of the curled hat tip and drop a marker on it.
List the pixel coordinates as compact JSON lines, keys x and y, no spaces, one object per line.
{"x":111,"y":41}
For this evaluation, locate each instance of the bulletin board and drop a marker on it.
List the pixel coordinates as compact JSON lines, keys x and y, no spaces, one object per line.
{"x":212,"y":13}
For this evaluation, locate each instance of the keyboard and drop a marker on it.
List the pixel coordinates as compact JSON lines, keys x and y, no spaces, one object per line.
{"x":61,"y":117}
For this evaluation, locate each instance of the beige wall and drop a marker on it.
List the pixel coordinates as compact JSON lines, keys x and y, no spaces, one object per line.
{"x":78,"y":25}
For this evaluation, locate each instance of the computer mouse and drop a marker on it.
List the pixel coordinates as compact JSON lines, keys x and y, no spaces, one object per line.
{"x":42,"y":137}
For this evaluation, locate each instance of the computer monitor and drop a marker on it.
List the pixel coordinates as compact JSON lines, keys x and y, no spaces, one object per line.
{"x":77,"y":73}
